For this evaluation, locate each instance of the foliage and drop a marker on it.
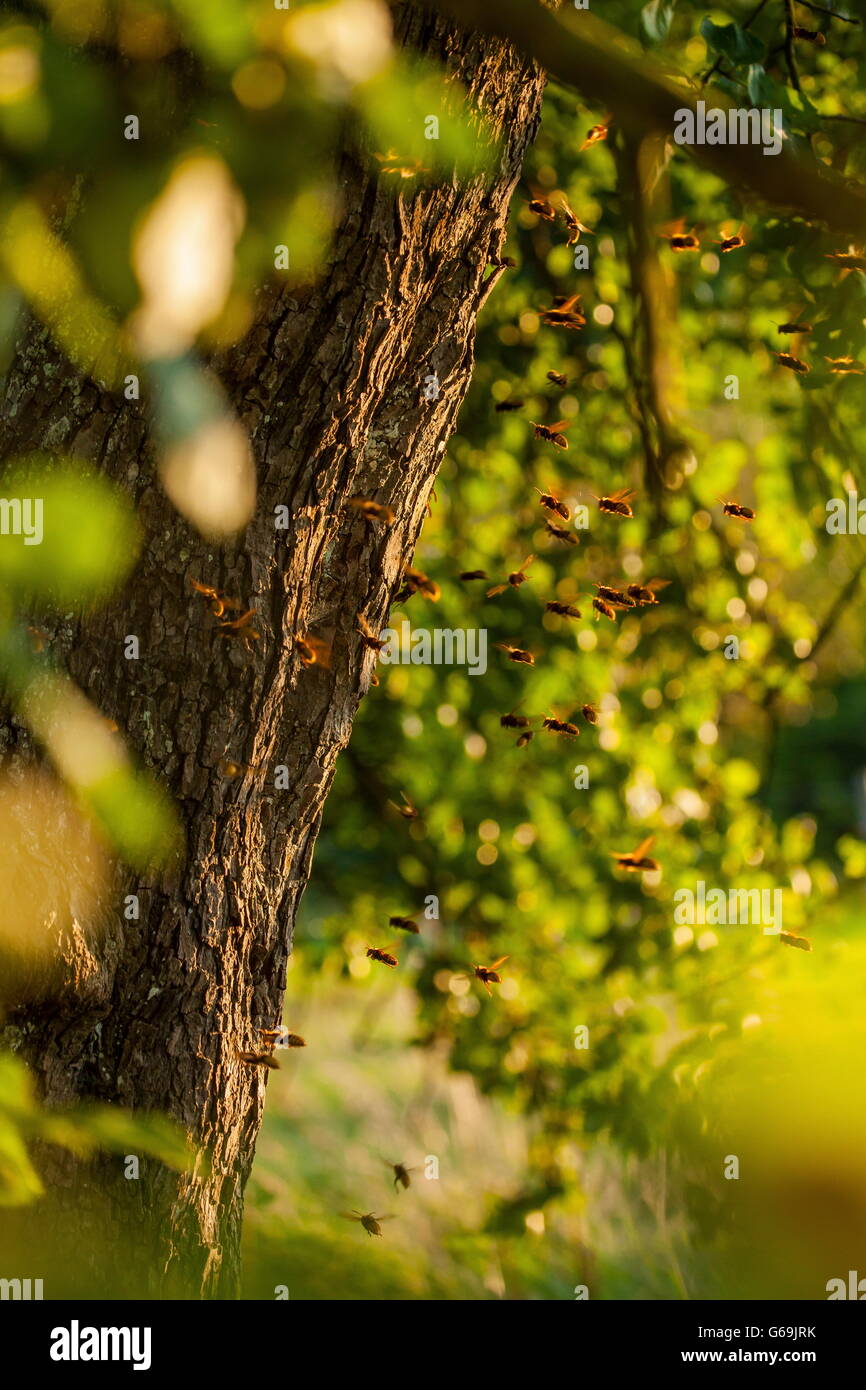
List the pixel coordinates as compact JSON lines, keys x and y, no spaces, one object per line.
{"x":82,"y":1131}
{"x":693,"y":747}
{"x":723,"y":760}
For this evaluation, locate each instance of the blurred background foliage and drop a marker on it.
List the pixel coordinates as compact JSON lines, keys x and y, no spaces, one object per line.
{"x":558,"y":1166}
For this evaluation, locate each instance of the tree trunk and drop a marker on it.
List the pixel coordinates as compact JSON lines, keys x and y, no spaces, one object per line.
{"x":329,"y":384}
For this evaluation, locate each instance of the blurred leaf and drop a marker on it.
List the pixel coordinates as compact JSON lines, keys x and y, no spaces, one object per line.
{"x":400,"y":108}
{"x":47,"y":274}
{"x":131,"y":808}
{"x":222,"y":30}
{"x":656,"y":19}
{"x":81,"y":1130}
{"x":137,"y":815}
{"x":19,"y":1181}
{"x":83,"y":533}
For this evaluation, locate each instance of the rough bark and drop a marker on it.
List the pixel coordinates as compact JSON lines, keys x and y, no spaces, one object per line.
{"x":579,"y":49}
{"x":329,"y":384}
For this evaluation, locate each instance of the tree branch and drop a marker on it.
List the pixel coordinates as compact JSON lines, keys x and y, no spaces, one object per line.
{"x":650,"y":359}
{"x":790,"y":54}
{"x":608,"y":69}
{"x":856,"y":120}
{"x":822,"y":9}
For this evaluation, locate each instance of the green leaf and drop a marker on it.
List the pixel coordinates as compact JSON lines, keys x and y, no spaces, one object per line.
{"x":19,"y":1181}
{"x":796,"y":108}
{"x":732,"y":42}
{"x":121,"y":1132}
{"x":760,"y":86}
{"x":136,"y":814}
{"x":400,"y":107}
{"x":656,"y":19}
{"x":66,"y":535}
{"x":185,"y":397}
{"x":132,"y":809}
{"x":220,"y":30}
{"x":80,"y":1130}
